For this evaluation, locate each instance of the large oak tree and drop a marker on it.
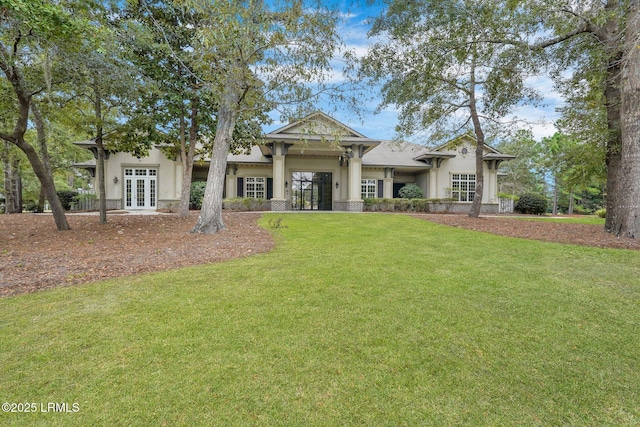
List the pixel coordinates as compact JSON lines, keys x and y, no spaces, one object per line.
{"x":34,"y":34}
{"x":257,"y":55}
{"x":599,"y":41}
{"x":446,"y":66}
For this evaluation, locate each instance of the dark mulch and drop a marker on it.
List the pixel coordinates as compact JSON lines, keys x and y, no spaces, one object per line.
{"x":577,"y":234}
{"x":34,"y":256}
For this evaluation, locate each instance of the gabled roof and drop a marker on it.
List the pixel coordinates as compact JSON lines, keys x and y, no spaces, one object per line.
{"x":315,"y":124}
{"x":396,"y":154}
{"x":471,"y":138}
{"x":319,"y":134}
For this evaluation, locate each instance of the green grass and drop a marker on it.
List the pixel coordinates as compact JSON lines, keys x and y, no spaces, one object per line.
{"x":366,"y":319}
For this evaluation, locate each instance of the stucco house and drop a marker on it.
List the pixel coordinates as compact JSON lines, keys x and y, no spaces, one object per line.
{"x":315,"y":163}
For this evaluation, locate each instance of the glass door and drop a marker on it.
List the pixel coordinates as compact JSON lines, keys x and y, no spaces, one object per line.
{"x":140,"y":188}
{"x":311,"y":191}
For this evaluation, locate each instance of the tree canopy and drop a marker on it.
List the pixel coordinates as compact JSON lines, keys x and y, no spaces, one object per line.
{"x":450,"y":67}
{"x":146,"y":71}
{"x":257,"y":56}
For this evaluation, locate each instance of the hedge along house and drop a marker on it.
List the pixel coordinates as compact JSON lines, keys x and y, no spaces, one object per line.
{"x":315,"y":163}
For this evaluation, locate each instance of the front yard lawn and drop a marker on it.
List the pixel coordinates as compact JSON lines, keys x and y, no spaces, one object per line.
{"x":353,"y":319}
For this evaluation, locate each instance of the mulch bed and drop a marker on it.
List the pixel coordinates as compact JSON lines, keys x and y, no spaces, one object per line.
{"x":34,"y":256}
{"x":577,"y":234}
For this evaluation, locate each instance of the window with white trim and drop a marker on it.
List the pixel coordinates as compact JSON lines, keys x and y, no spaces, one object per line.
{"x":254,"y":187}
{"x":368,"y":188}
{"x":463,"y":186}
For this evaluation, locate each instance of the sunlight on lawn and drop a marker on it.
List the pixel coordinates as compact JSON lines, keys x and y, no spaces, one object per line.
{"x":352,"y":319}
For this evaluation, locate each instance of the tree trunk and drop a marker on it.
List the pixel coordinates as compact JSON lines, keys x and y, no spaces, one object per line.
{"x":100,"y":155}
{"x":9,"y":201}
{"x":102,"y":190}
{"x":42,"y":168}
{"x":46,"y":180}
{"x":476,"y":206}
{"x":41,"y":200}
{"x":610,"y":37}
{"x":554,"y":210}
{"x":187,"y":154}
{"x":17,"y":186}
{"x":210,"y":219}
{"x":627,"y":219}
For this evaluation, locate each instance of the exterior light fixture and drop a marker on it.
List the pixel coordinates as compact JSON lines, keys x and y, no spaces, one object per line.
{"x":286,"y":184}
{"x":337,"y":185}
{"x":115,"y":179}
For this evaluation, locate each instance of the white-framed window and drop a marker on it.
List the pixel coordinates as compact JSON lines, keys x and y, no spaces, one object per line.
{"x":463,"y":186}
{"x":254,"y":187}
{"x":368,"y":188}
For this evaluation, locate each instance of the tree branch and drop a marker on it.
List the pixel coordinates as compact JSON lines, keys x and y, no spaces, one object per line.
{"x":7,"y":137}
{"x":582,"y":29}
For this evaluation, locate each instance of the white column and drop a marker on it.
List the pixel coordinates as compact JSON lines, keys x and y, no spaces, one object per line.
{"x":232,"y":184}
{"x":355,"y":179}
{"x":433,"y":184}
{"x":278,"y":177}
{"x":278,"y":202}
{"x":354,"y":201}
{"x":387,"y":191}
{"x":492,"y":181}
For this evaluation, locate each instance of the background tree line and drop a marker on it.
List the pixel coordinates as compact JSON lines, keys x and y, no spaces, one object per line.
{"x":142,"y":72}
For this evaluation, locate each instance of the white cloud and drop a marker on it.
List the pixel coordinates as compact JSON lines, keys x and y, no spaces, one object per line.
{"x":540,"y":119}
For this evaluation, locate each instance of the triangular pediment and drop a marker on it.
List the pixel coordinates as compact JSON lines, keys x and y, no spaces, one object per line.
{"x":317,"y":124}
{"x":466,"y":141}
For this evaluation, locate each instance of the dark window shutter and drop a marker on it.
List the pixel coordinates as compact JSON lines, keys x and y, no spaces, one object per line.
{"x":240,"y":187}
{"x":380,"y":189}
{"x":269,"y":188}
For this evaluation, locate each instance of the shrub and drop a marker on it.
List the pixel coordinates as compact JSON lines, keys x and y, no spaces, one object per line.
{"x":581,"y":210}
{"x":532,"y":204}
{"x":387,"y":205}
{"x":379,"y":205}
{"x":370,"y":205}
{"x":411,"y":191}
{"x":197,"y":194}
{"x":66,"y":198}
{"x":408,"y":205}
{"x":422,"y":205}
{"x":243,"y":204}
{"x":602,"y":213}
{"x":403,"y":205}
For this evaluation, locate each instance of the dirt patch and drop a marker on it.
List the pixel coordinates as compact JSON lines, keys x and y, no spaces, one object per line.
{"x":34,"y":256}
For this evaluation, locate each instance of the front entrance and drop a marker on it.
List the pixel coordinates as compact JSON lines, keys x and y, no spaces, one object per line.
{"x":311,"y":191}
{"x":140,"y":188}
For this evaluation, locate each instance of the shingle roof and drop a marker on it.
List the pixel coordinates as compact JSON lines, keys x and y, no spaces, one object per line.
{"x":394,"y":153}
{"x":255,"y":156}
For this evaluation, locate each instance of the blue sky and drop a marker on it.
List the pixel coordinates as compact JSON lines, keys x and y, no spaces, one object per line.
{"x":382,"y":125}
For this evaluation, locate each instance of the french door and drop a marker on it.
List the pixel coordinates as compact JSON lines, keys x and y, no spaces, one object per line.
{"x":140,"y":188}
{"x":311,"y":191}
